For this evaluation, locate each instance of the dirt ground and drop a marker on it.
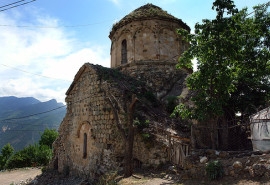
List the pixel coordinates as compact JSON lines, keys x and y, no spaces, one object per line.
{"x":18,"y":175}
{"x":139,"y":179}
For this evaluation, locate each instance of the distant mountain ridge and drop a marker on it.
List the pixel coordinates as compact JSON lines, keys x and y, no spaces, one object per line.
{"x":22,"y":120}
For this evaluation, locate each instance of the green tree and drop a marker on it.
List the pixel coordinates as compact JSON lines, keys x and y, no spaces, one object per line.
{"x":232,"y":51}
{"x":6,"y":153}
{"x":48,"y":137}
{"x":32,"y":155}
{"x":252,"y":85}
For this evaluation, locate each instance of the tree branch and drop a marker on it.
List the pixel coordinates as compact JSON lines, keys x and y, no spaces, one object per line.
{"x":110,"y":98}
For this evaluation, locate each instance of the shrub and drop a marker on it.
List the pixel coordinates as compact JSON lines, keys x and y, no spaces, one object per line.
{"x":108,"y":179}
{"x":6,"y":153}
{"x":44,"y":155}
{"x":32,"y":155}
{"x":214,"y":170}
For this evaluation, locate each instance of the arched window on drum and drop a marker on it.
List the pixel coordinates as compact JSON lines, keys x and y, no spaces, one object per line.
{"x":84,"y":145}
{"x":124,"y":52}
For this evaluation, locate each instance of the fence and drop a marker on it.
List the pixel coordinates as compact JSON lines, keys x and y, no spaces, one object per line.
{"x":229,"y":135}
{"x":178,"y":150}
{"x":177,"y":147}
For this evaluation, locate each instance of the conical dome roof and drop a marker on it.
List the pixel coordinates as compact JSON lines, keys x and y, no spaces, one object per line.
{"x":145,"y":12}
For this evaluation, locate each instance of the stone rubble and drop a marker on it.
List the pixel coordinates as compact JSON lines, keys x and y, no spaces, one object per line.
{"x":247,"y":164}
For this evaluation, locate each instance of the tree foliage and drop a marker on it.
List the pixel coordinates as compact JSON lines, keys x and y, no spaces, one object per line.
{"x":48,"y":137}
{"x":32,"y":155}
{"x":6,"y":153}
{"x":232,"y":53}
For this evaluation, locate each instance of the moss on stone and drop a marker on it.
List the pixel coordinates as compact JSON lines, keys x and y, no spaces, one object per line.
{"x":145,"y":12}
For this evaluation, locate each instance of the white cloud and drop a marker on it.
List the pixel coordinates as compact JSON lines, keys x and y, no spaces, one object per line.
{"x":117,"y":2}
{"x":66,"y":67}
{"x":51,"y":52}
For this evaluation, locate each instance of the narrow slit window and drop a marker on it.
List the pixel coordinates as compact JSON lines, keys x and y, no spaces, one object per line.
{"x":124,"y":52}
{"x":84,"y":145}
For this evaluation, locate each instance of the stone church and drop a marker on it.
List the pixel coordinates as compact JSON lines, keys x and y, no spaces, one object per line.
{"x":144,"y":51}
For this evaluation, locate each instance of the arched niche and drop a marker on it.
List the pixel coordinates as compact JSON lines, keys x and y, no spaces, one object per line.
{"x":168,"y":44}
{"x":122,"y":48}
{"x":145,"y":44}
{"x":83,"y":124}
{"x":124,"y":52}
{"x":83,"y":141}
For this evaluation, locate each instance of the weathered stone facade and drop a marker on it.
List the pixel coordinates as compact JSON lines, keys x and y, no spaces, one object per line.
{"x":146,"y":34}
{"x":89,"y":142}
{"x":162,"y":77}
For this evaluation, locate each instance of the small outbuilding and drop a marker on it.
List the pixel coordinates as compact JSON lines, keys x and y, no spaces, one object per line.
{"x":260,"y":130}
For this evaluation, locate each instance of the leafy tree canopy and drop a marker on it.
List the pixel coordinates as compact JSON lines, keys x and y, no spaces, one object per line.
{"x":232,"y":53}
{"x":7,"y":151}
{"x":48,"y":137}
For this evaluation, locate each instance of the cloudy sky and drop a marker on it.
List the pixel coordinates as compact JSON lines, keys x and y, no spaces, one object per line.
{"x":45,"y":42}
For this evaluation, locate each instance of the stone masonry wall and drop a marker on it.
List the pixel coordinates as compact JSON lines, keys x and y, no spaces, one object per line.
{"x":89,"y":143}
{"x":147,"y":40}
{"x":241,"y":164}
{"x":161,"y":76}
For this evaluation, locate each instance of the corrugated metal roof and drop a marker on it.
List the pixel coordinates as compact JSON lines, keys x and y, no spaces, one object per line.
{"x":263,"y":114}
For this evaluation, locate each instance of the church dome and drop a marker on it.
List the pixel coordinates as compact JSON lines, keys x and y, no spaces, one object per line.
{"x":146,"y":34}
{"x":146,"y":12}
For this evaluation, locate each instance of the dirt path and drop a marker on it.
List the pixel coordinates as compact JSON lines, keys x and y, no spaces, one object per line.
{"x":15,"y":176}
{"x":141,"y":180}
{"x":152,"y":181}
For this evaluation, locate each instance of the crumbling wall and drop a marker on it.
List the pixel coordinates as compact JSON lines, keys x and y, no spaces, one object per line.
{"x":89,"y":143}
{"x":147,"y":40}
{"x":161,"y":76}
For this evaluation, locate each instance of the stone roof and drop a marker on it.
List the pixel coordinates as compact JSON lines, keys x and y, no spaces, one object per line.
{"x":145,"y":12}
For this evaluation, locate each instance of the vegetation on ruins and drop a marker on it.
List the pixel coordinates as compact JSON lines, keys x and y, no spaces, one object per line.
{"x":214,"y":170}
{"x":133,"y":111}
{"x":232,"y":53}
{"x":144,"y":12}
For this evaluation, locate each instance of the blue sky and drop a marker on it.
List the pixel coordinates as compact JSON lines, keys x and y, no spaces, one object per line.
{"x":44,"y":43}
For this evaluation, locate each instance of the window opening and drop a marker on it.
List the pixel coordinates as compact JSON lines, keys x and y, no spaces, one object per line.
{"x":124,"y":52}
{"x":84,"y":145}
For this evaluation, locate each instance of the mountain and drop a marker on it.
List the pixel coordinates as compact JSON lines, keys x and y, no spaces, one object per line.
{"x":22,"y":120}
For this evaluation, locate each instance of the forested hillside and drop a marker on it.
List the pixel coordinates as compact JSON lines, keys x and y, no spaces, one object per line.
{"x":22,"y":120}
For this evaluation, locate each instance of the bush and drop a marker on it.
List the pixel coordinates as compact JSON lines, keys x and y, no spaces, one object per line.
{"x":44,"y":155}
{"x":6,"y":153}
{"x":16,"y":161}
{"x":108,"y":179}
{"x":2,"y":162}
{"x":214,"y":170}
{"x":31,"y":156}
